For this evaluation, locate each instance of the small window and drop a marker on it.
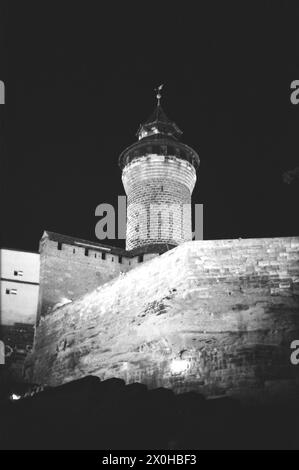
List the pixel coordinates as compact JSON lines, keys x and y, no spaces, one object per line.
{"x":74,"y":251}
{"x":112,"y":259}
{"x":59,"y":246}
{"x":11,"y":291}
{"x":103,"y":255}
{"x":140,"y":258}
{"x":18,"y":273}
{"x":95,"y":255}
{"x":86,"y":252}
{"x":120,"y":259}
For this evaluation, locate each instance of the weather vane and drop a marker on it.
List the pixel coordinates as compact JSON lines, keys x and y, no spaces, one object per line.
{"x":159,"y":96}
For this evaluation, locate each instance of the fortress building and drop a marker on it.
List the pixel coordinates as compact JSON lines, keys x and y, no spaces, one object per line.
{"x":217,"y":316}
{"x":19,"y":283}
{"x":158,"y":174}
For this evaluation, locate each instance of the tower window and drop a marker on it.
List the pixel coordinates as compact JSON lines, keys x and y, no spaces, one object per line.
{"x":74,"y":251}
{"x":112,"y":258}
{"x":86,"y":252}
{"x":11,"y":291}
{"x":140,"y":258}
{"x":59,"y":246}
{"x":120,"y":259}
{"x":18,"y":273}
{"x":103,"y":255}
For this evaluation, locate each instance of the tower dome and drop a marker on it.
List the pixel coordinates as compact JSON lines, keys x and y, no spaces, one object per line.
{"x":158,"y":174}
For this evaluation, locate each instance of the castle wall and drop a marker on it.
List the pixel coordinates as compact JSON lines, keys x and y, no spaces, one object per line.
{"x":68,"y":271}
{"x":213,"y":316}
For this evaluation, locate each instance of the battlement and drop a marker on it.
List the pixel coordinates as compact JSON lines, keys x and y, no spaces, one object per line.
{"x":71,"y":267}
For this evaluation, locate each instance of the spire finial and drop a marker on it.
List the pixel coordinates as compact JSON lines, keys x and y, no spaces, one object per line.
{"x":159,"y":96}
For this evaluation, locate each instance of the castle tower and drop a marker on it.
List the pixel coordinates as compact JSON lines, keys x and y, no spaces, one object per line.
{"x":158,"y":174}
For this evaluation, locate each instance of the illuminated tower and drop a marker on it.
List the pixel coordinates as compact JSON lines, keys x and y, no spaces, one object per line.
{"x":158,"y":174}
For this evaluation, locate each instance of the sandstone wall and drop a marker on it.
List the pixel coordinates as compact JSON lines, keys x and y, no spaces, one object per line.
{"x":69,"y":271}
{"x":213,"y":316}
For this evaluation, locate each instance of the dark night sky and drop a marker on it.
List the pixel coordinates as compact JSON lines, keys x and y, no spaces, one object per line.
{"x":80,"y":79}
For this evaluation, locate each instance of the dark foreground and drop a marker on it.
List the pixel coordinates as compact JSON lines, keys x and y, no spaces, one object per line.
{"x":90,"y":414}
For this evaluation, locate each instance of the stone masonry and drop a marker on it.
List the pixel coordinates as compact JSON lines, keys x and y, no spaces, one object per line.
{"x":159,"y":192}
{"x":70,"y":267}
{"x":217,"y":317}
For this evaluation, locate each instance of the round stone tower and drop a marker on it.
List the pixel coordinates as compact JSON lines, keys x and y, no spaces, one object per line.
{"x":158,"y":174}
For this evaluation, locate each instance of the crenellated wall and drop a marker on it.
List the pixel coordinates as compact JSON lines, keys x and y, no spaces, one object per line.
{"x":214,"y":316}
{"x":70,"y":268}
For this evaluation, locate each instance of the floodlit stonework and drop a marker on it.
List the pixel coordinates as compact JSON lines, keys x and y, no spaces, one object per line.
{"x":159,"y":192}
{"x":213,"y":316}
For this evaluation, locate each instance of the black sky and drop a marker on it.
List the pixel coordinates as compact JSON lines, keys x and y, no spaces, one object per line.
{"x":80,"y":79}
